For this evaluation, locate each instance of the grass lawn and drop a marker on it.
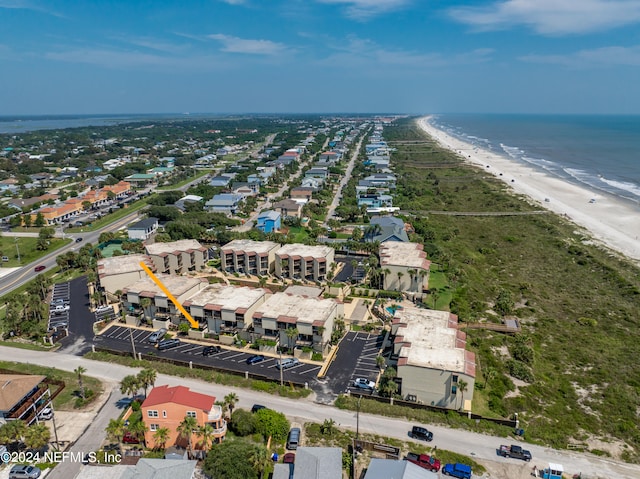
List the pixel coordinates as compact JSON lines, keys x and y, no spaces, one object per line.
{"x":299,"y":234}
{"x":65,"y":401}
{"x":200,"y":174}
{"x":110,"y":218}
{"x":27,"y":248}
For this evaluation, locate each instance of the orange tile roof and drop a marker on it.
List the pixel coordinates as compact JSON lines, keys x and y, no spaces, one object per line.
{"x":179,"y":395}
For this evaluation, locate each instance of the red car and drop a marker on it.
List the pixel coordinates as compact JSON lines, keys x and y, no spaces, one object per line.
{"x":289,"y":458}
{"x":37,"y":269}
{"x":129,"y":438}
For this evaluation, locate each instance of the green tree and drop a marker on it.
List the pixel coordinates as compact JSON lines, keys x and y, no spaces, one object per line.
{"x":292,"y":336}
{"x":13,"y":431}
{"x":130,"y":385}
{"x":186,"y":429}
{"x":260,"y":459}
{"x":147,"y":377}
{"x":26,"y":219}
{"x":242,"y":422}
{"x":328,"y":427}
{"x":504,"y":302}
{"x":228,"y":460}
{"x":462,"y":387}
{"x":205,"y":432}
{"x":160,"y":437}
{"x":145,"y":304}
{"x":115,"y":430}
{"x":271,"y":423}
{"x":46,"y":233}
{"x":231,"y":399}
{"x":80,"y":370}
{"x":138,"y":429}
{"x":40,"y":222}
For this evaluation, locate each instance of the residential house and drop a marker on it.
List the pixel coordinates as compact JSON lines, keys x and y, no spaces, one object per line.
{"x":180,"y":204}
{"x":225,"y":308}
{"x":392,"y":468}
{"x":161,"y":307}
{"x":268,"y":221}
{"x":312,"y":317}
{"x":384,"y":180}
{"x":405,"y":266}
{"x":375,"y":200}
{"x":321,"y":173}
{"x":118,"y":272}
{"x":143,"y":229}
{"x":227,"y":203}
{"x":311,"y":182}
{"x":331,"y":157}
{"x":221,"y":181}
{"x":302,"y":193}
{"x":23,"y":396}
{"x":245,"y":188}
{"x":144,"y":468}
{"x":385,"y":228}
{"x":313,"y":463}
{"x":433,"y":362}
{"x":248,"y":256}
{"x":289,"y":208}
{"x":299,"y":261}
{"x":177,"y":257}
{"x":141,"y":179}
{"x":166,"y":407}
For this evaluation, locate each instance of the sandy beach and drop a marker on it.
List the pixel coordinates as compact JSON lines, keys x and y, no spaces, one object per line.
{"x":609,"y":220}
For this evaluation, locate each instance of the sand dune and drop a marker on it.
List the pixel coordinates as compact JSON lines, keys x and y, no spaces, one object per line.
{"x":610,"y":220}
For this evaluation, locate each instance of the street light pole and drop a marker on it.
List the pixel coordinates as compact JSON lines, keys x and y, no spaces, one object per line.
{"x":133,"y":345}
{"x":358,"y":419}
{"x":18,"y":249}
{"x":281,"y":381}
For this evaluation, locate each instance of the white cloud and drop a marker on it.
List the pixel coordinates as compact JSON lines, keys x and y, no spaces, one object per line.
{"x":28,"y":5}
{"x":365,"y":9}
{"x":551,"y":17}
{"x":244,"y":45}
{"x":598,"y":57}
{"x":234,"y":2}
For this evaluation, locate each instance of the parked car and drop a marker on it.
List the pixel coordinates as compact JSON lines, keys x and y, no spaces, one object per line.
{"x":287,"y":363}
{"x":257,"y":407}
{"x":514,"y":451}
{"x":168,"y":344}
{"x":59,"y":301}
{"x":256,"y":358}
{"x":423,"y":460}
{"x":45,"y":414}
{"x":37,"y":269}
{"x":209,"y":350}
{"x":364,"y":383}
{"x":293,"y":439}
{"x":289,"y":458}
{"x":129,"y":438}
{"x":461,"y":471}
{"x":157,"y":335}
{"x":21,"y":471}
{"x":78,"y":240}
{"x":421,"y":433}
{"x":100,"y":309}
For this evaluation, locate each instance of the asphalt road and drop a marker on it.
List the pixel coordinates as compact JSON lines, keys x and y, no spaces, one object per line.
{"x":480,"y":446}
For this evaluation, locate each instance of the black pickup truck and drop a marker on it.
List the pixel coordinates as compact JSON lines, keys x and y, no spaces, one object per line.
{"x":515,"y":451}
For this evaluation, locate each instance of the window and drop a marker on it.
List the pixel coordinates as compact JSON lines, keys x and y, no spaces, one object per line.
{"x":454,"y":379}
{"x":154,"y":427}
{"x":164,"y":413}
{"x":191,"y":414}
{"x":454,"y":389}
{"x":151,"y":413}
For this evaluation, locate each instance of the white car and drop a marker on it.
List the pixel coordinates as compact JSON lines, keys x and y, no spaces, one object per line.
{"x":364,"y":383}
{"x":99,"y":309}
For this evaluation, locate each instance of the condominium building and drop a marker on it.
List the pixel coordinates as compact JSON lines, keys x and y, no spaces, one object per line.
{"x":405,"y":266}
{"x":177,"y":256}
{"x":118,"y":272}
{"x":299,"y":261}
{"x":225,"y":308}
{"x":311,"y":318}
{"x":433,"y":363}
{"x":247,"y":256}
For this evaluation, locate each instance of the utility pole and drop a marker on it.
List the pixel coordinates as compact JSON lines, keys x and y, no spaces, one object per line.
{"x":281,"y":381}
{"x":18,"y":249}
{"x":133,"y":345}
{"x":358,"y":419}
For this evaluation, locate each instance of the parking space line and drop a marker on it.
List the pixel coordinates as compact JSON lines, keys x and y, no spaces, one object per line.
{"x":122,"y":333}
{"x":235,"y":356}
{"x":139,"y":334}
{"x":192,"y":349}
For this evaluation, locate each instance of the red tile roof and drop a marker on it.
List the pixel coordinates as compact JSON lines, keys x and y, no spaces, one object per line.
{"x":179,"y":395}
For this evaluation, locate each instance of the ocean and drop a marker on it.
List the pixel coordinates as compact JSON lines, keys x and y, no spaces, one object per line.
{"x":601,"y":152}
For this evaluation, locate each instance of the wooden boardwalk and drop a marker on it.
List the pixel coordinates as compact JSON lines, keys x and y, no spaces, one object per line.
{"x":512,"y":328}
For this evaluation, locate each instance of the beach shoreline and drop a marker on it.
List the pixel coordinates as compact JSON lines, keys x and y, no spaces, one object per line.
{"x":610,"y":221}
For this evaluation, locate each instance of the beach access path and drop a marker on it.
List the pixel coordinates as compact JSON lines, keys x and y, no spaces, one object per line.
{"x":611,"y":221}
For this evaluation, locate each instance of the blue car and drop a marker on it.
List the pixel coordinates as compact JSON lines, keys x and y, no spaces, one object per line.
{"x":256,"y":358}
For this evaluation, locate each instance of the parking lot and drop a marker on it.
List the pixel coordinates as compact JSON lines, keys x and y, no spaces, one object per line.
{"x":231,"y":359}
{"x":59,"y":307}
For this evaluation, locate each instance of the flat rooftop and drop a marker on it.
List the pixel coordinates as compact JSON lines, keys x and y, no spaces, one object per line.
{"x":250,"y":246}
{"x":123,"y":264}
{"x":177,"y":285}
{"x":308,"y":291}
{"x":303,"y":309}
{"x":435,"y":341}
{"x":230,"y":298}
{"x":305,"y":251}
{"x":172,"y":247}
{"x":398,"y":253}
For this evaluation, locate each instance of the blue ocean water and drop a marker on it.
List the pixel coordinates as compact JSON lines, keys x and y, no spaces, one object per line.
{"x":601,"y":152}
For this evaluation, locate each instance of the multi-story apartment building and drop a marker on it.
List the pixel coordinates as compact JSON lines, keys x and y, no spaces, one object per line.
{"x":247,"y":256}
{"x":299,"y":261}
{"x":118,"y":272}
{"x":177,"y":256}
{"x":311,"y":318}
{"x":225,"y":308}
{"x":405,"y":266}
{"x":166,"y":407}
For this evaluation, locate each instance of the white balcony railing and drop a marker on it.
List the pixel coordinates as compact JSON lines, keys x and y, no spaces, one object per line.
{"x":215,"y":413}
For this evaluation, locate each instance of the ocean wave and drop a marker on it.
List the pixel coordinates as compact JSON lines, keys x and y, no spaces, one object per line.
{"x":629,"y":187}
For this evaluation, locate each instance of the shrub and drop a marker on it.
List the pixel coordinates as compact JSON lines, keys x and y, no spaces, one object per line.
{"x":520,"y":370}
{"x":242,"y":422}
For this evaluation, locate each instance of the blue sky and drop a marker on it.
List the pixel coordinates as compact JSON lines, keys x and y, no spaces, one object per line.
{"x":406,"y":56}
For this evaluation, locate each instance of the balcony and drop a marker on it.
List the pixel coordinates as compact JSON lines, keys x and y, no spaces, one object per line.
{"x":215,"y":414}
{"x":220,"y":431}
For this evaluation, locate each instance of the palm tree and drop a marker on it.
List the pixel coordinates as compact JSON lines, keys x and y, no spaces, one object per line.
{"x":160,"y":437}
{"x":260,"y":459}
{"x":144,"y":304}
{"x":328,"y":427}
{"x":115,"y":429}
{"x":262,"y":281}
{"x":231,"y":399}
{"x":186,"y":429}
{"x":412,"y":274}
{"x":291,"y":334}
{"x":400,"y":275}
{"x":138,"y":429}
{"x":386,"y":272}
{"x":462,"y":387}
{"x":96,"y":296}
{"x":489,"y":373}
{"x":147,"y":377}
{"x":206,"y":432}
{"x":129,"y":385}
{"x":37,"y":436}
{"x":13,"y":431}
{"x":80,"y":371}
